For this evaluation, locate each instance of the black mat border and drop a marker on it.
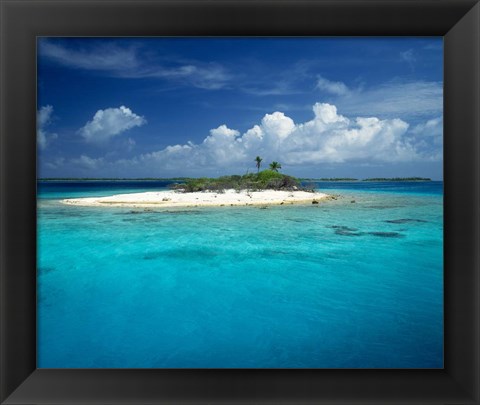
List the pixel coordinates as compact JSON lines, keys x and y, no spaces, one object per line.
{"x":21,"y":21}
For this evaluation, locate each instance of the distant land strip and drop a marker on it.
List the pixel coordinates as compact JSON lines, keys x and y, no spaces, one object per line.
{"x":398,"y":179}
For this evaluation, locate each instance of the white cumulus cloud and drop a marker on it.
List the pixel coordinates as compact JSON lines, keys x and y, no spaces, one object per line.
{"x":431,"y":128}
{"x":429,"y":134}
{"x":335,"y":88}
{"x":409,"y":57}
{"x":44,"y":118}
{"x":55,"y":163}
{"x":110,"y":122}
{"x":87,"y":162}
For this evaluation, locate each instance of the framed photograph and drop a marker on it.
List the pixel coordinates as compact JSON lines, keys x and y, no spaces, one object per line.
{"x":219,"y":202}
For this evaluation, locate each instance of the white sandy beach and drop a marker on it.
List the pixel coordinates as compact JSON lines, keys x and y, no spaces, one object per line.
{"x":170,"y":199}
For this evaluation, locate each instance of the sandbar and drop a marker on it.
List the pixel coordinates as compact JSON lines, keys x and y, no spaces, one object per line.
{"x":229,"y":198}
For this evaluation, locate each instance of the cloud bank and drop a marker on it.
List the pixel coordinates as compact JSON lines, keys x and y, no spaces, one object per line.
{"x":329,"y":138}
{"x":110,"y":122}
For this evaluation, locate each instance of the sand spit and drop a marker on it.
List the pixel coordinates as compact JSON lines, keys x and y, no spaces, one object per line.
{"x":169,"y":199}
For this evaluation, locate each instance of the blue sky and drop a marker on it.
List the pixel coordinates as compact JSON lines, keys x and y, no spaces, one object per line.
{"x":166,"y":107}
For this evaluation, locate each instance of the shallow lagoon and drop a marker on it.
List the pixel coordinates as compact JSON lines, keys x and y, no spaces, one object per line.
{"x":340,"y":284}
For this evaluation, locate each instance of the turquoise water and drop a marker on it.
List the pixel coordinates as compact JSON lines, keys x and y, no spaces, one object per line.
{"x":334,"y":285}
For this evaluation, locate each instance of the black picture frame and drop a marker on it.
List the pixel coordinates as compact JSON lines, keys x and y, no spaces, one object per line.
{"x":21,"y":21}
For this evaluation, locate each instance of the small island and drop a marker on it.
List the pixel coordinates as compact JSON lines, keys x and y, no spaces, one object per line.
{"x":266,"y":187}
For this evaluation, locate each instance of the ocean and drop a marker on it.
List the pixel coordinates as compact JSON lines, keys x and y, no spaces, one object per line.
{"x":355,"y":282}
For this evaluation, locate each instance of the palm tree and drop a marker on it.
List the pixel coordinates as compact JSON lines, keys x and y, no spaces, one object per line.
{"x":258,"y":159}
{"x":275,"y":166}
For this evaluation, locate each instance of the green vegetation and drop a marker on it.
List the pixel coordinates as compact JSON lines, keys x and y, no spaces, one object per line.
{"x":275,"y":166}
{"x":264,"y":180}
{"x":258,"y":161}
{"x":398,"y":179}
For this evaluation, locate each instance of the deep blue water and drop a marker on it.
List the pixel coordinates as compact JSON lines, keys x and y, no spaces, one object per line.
{"x":341,"y":284}
{"x":87,"y":188}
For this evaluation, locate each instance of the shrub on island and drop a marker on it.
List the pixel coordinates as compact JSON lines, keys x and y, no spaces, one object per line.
{"x":264,"y":180}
